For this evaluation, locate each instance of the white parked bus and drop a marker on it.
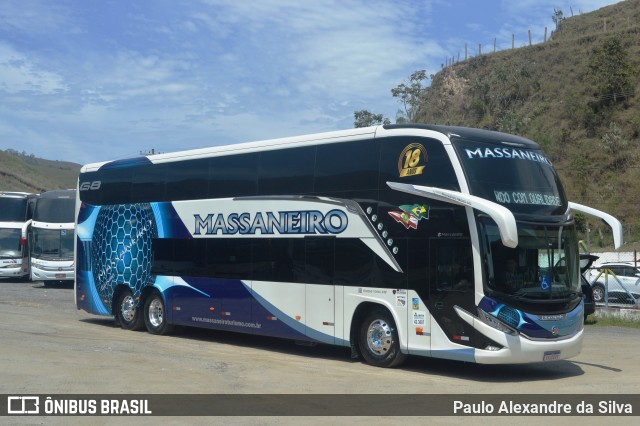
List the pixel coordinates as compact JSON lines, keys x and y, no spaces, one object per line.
{"x":393,"y":240}
{"x":52,"y":237}
{"x":16,"y":209}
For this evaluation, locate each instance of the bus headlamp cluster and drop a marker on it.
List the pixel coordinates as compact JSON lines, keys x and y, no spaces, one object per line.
{"x":494,"y":322}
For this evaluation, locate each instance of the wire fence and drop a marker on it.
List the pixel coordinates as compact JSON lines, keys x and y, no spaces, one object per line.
{"x":615,"y":279}
{"x":603,"y":25}
{"x":632,"y":257}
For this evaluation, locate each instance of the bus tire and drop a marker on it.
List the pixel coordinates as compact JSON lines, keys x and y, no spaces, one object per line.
{"x":155,"y":315}
{"x":378,"y":340}
{"x":128,"y":313}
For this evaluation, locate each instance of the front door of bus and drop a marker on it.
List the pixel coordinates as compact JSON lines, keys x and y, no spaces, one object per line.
{"x":450,"y":285}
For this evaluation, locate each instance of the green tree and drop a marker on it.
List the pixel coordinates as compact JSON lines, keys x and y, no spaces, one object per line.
{"x":411,"y":95}
{"x":611,"y":71}
{"x":365,"y":118}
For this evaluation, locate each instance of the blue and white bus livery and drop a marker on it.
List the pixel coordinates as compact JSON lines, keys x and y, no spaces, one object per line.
{"x":394,"y":240}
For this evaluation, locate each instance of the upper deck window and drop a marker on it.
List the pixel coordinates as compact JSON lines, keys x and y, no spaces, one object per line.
{"x":55,"y":210}
{"x":13,"y":209}
{"x":521,"y":178}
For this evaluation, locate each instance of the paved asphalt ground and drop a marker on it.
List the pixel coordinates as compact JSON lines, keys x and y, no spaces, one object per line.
{"x":47,"y":346}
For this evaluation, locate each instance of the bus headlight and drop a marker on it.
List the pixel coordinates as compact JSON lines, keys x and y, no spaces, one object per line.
{"x":494,"y":322}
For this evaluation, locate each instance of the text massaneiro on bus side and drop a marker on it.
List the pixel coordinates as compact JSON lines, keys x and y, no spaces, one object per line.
{"x":426,"y":240}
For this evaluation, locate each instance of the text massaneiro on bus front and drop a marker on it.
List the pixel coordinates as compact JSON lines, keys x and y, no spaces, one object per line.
{"x":425,"y":240}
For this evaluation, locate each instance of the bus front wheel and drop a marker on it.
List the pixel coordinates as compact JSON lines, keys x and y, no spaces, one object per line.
{"x":378,"y":340}
{"x":128,"y":312}
{"x":155,"y":315}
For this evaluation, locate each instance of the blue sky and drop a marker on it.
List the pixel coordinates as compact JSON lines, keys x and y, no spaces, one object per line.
{"x":95,"y":80}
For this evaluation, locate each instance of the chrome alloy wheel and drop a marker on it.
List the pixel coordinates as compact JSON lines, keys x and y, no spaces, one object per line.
{"x":128,"y":308}
{"x":379,"y":337}
{"x":156,"y":312}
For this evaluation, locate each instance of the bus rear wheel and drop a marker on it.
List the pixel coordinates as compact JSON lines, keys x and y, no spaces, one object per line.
{"x":378,"y":340}
{"x":155,"y":315}
{"x":128,"y":312}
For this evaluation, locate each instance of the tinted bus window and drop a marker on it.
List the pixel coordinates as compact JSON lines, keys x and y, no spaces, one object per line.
{"x":228,"y":258}
{"x":347,"y":166}
{"x":107,"y":187}
{"x":55,"y":210}
{"x":416,"y":161}
{"x":354,"y":263}
{"x":319,"y":254}
{"x":277,"y":259}
{"x":148,"y":183}
{"x":13,"y":209}
{"x":234,"y":176}
{"x":521,"y":179}
{"x":188,"y":180}
{"x":287,"y":172}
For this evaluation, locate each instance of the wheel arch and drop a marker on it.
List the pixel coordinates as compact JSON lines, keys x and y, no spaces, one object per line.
{"x":117,"y":291}
{"x":120,"y":287}
{"x":148,"y":291}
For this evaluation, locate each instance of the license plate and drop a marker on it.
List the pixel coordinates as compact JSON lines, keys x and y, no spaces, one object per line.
{"x":551,"y":356}
{"x":61,"y":276}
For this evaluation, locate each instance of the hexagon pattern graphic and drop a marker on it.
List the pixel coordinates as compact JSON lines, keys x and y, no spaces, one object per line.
{"x":121,"y":250}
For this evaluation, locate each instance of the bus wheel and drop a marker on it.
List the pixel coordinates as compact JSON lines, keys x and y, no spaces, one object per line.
{"x":128,"y":314}
{"x":378,"y":340}
{"x":155,"y":315}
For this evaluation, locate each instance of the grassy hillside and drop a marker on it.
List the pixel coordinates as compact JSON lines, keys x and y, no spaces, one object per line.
{"x":578,"y":95}
{"x":26,"y":173}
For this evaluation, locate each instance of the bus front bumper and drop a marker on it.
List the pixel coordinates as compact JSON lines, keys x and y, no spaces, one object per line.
{"x":9,"y":270}
{"x":519,"y":349}
{"x":61,"y":274}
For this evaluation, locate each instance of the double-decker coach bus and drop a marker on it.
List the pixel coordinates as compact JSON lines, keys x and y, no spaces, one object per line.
{"x":394,"y":240}
{"x":16,"y":210}
{"x":52,"y":236}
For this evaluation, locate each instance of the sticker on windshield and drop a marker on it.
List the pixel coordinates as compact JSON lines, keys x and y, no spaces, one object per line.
{"x":527,"y":197}
{"x":545,"y":283}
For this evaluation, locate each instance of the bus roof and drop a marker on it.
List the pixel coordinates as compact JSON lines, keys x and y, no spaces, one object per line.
{"x":15,"y":194}
{"x":482,"y":135}
{"x":59,"y":193}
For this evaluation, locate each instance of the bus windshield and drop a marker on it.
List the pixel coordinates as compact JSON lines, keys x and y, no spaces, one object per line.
{"x":55,"y":210}
{"x":10,"y":243}
{"x":13,"y":209}
{"x":54,"y":244}
{"x":544,"y":265}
